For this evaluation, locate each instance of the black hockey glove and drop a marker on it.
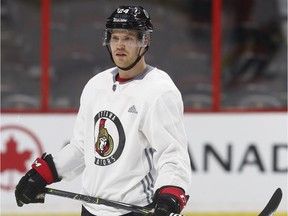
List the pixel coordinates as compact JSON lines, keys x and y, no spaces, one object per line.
{"x":169,"y":199}
{"x":31,"y":185}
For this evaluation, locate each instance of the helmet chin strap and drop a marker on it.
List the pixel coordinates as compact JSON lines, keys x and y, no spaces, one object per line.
{"x":133,"y":64}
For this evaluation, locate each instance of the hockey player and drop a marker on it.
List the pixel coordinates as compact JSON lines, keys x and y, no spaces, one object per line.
{"x":129,"y":141}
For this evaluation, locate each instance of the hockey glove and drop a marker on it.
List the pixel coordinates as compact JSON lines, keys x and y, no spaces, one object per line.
{"x":169,"y":199}
{"x":31,"y":185}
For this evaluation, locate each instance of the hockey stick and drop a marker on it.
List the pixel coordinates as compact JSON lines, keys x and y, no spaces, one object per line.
{"x":273,"y":203}
{"x":100,"y":201}
{"x":269,"y":209}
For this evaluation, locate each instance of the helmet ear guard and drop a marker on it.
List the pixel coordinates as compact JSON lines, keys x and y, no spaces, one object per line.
{"x":106,"y":37}
{"x":146,"y":39}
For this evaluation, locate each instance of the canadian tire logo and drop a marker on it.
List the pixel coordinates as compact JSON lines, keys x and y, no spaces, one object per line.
{"x":19,"y":148}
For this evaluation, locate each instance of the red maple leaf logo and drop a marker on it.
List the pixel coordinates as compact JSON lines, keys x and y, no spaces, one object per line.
{"x":12,"y":159}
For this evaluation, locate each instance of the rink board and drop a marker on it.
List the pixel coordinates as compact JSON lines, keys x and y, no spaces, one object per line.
{"x":237,"y":160}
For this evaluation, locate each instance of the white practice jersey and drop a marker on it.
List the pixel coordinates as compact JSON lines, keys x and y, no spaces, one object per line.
{"x":129,"y":140}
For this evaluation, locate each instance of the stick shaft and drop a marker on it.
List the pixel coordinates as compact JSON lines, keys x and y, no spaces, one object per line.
{"x":99,"y":201}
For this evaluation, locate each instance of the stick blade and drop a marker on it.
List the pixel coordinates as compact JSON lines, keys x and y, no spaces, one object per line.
{"x":273,"y":203}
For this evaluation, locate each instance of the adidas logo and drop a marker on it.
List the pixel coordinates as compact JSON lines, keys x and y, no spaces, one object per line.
{"x":132,"y":109}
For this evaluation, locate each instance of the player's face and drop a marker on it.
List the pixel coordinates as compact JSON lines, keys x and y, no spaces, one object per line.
{"x":124,"y":47}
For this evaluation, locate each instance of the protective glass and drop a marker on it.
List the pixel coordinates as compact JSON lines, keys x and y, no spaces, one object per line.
{"x":130,"y":38}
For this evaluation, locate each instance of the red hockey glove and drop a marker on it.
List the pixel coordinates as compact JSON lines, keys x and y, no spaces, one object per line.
{"x":43,"y":172}
{"x":169,"y":199}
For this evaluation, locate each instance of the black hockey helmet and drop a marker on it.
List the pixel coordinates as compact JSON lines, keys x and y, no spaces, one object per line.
{"x":131,"y":18}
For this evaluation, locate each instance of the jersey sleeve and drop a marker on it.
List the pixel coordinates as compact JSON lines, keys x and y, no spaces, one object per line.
{"x":164,"y":129}
{"x":69,"y":161}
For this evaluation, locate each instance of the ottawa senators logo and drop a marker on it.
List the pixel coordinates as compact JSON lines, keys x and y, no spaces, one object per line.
{"x":104,"y":144}
{"x":109,"y":138}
